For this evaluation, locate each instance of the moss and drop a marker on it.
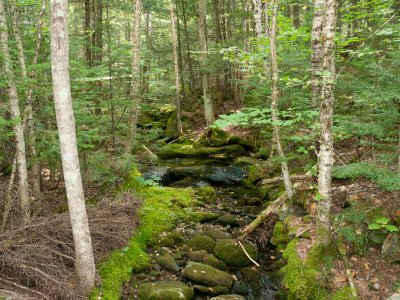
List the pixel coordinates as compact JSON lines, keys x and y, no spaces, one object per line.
{"x":280,"y":234}
{"x":180,"y":150}
{"x":201,"y":242}
{"x":202,"y":217}
{"x":344,"y":293}
{"x":231,"y":253}
{"x":207,"y":193}
{"x":302,"y":279}
{"x":157,"y":214}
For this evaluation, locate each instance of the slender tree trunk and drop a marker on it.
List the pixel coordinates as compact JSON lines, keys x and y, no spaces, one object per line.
{"x":218,"y":34}
{"x":16,"y":116}
{"x":99,"y":32}
{"x":84,"y":260}
{"x":134,"y":90}
{"x":296,"y":15}
{"x":275,"y":99}
{"x":36,"y":176}
{"x":258,"y":16}
{"x":9,"y":196}
{"x":193,"y":87}
{"x":325,"y":163}
{"x":176,"y":66}
{"x":149,"y":42}
{"x":208,"y":106}
{"x":179,"y":50}
{"x":317,"y":51}
{"x":88,"y":44}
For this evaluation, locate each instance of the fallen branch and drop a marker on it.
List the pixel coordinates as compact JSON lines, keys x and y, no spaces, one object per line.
{"x":247,"y":254}
{"x":279,"y":179}
{"x":272,"y":208}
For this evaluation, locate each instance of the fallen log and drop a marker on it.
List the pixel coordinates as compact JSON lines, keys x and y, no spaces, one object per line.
{"x":279,"y":179}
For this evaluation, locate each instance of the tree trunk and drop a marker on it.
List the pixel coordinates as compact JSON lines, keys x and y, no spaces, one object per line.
{"x":99,"y":32}
{"x":325,"y":163}
{"x":208,"y":107}
{"x":275,"y":99}
{"x":317,"y":51}
{"x":176,"y":66}
{"x":84,"y":260}
{"x":134,"y":89}
{"x":296,"y":15}
{"x":15,"y":115}
{"x":258,"y":16}
{"x":88,"y":46}
{"x":218,"y":34}
{"x":179,"y":51}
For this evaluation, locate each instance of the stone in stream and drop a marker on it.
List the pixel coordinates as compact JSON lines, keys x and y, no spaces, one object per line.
{"x":232,"y":254}
{"x":229,"y":297}
{"x":211,"y":260}
{"x":216,"y":234}
{"x":228,"y":219}
{"x":207,"y":275}
{"x":207,"y":193}
{"x":168,"y":263}
{"x":197,"y":255}
{"x":165,"y":290}
{"x":203,"y":216}
{"x":201,"y":242}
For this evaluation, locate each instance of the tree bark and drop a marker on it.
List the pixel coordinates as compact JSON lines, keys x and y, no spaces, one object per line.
{"x":16,"y":116}
{"x":88,"y":44}
{"x":208,"y":106}
{"x":317,"y":51}
{"x":258,"y":16}
{"x":325,"y":163}
{"x":176,"y":66}
{"x":296,"y":15}
{"x":275,"y":98}
{"x":134,"y":89}
{"x":99,"y":32}
{"x":84,"y":260}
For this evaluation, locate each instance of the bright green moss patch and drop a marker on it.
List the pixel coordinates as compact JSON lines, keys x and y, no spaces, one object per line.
{"x":303,"y":278}
{"x":344,"y":294}
{"x":157,"y":214}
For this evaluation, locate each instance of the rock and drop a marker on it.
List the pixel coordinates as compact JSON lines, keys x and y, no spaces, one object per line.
{"x":391,"y":247}
{"x":197,"y":255}
{"x":172,"y":129}
{"x":229,"y":297}
{"x":203,"y":216}
{"x":377,"y":237}
{"x":230,"y":252}
{"x":394,"y":297}
{"x":211,"y":260}
{"x":201,"y":242}
{"x":177,"y":237}
{"x":228,"y":219}
{"x":207,"y":275}
{"x":181,"y":150}
{"x":207,"y":193}
{"x":168,"y":263}
{"x":219,"y":290}
{"x":216,"y":234}
{"x":201,"y":289}
{"x":165,"y":290}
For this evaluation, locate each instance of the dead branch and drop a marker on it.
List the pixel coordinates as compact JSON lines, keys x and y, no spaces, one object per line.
{"x":279,"y":179}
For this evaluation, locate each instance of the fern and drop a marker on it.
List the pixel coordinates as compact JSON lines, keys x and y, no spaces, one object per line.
{"x":383,"y":177}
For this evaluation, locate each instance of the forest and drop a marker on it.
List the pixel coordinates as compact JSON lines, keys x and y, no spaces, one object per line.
{"x":204,"y":149}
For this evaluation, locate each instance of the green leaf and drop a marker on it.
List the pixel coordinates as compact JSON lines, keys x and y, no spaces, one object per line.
{"x":382,"y":220}
{"x":392,"y":228}
{"x":374,"y":226}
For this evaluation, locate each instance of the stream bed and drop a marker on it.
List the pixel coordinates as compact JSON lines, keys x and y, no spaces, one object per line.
{"x":201,"y":258}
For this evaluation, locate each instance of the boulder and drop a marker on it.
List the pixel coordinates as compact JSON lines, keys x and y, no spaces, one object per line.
{"x":207,"y":193}
{"x":182,"y":150}
{"x":229,"y":297}
{"x":202,"y":216}
{"x":167,"y":262}
{"x":391,"y":247}
{"x":207,"y":275}
{"x":197,"y":255}
{"x":211,"y":260}
{"x":201,"y":242}
{"x":230,"y":252}
{"x":228,"y":219}
{"x":165,"y":290}
{"x":394,"y":297}
{"x":216,"y":234}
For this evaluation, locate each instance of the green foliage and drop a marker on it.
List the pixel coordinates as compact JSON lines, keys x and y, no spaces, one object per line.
{"x":383,"y":177}
{"x":351,"y":224}
{"x":382,"y":223}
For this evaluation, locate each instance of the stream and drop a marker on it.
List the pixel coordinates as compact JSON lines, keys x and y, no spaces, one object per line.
{"x":201,"y":259}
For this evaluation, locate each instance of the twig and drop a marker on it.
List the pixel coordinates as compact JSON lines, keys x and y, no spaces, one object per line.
{"x":248,"y":256}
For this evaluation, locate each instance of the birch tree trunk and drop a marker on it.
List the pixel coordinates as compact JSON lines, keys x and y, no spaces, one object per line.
{"x":275,"y":99}
{"x":176,"y":66}
{"x":258,"y":16}
{"x":317,"y":51}
{"x":84,"y":260}
{"x":16,"y":116}
{"x":325,"y":164}
{"x":135,"y":88}
{"x":208,"y":106}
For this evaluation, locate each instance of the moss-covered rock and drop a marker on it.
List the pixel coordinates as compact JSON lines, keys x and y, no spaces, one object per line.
{"x":211,"y":260}
{"x":207,"y":275}
{"x":230,"y":252}
{"x":165,"y":290}
{"x":216,"y":234}
{"x":167,"y":262}
{"x":280,"y":234}
{"x":229,"y":297}
{"x":207,"y":193}
{"x":228,"y":219}
{"x":202,"y":216}
{"x":391,"y":248}
{"x":180,"y":150}
{"x":201,"y":242}
{"x":172,"y":128}
{"x":302,"y":278}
